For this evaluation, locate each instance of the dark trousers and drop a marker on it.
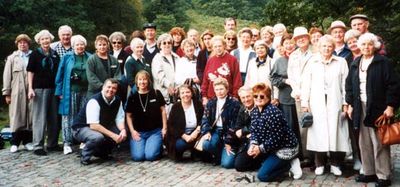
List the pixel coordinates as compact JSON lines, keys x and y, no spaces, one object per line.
{"x":336,"y":158}
{"x":21,"y":136}
{"x":96,"y":144}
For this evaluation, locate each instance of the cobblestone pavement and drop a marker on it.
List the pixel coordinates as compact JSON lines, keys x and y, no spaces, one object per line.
{"x":25,"y":169}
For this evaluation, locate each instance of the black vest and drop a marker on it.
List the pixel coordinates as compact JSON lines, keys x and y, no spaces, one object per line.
{"x":108,"y":113}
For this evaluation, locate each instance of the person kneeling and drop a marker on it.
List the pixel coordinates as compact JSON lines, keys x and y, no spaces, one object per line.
{"x":100,"y":123}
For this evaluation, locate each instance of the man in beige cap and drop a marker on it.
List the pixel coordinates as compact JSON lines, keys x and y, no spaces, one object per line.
{"x":360,"y":22}
{"x":337,"y":31}
{"x":298,"y":61}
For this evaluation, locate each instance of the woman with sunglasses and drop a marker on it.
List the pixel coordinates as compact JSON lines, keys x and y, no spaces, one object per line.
{"x":272,"y":143}
{"x":231,"y":40}
{"x":163,"y":68}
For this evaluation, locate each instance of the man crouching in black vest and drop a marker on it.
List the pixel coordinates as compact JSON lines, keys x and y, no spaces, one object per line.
{"x":100,"y":123}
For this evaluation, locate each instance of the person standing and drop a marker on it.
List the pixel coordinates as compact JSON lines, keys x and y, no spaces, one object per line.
{"x":63,"y":46}
{"x":150,"y":47}
{"x":42,"y":70}
{"x":71,"y":87}
{"x":15,"y":90}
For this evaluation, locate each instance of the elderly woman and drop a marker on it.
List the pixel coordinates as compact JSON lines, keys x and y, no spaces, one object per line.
{"x":15,"y":84}
{"x":231,"y":40}
{"x":224,"y":65}
{"x":117,"y":40}
{"x":315,"y":34}
{"x":272,"y":143}
{"x":267,"y":35}
{"x":372,"y":89}
{"x":219,"y":116}
{"x":163,"y":68}
{"x":287,"y":105}
{"x":205,"y":53}
{"x":351,"y":37}
{"x":183,"y":123}
{"x":147,"y":119}
{"x":101,"y":66}
{"x":178,"y":34}
{"x":71,"y":87}
{"x":42,"y":70}
{"x":323,"y":96}
{"x":186,"y":66}
{"x":279,"y":30}
{"x":259,"y":67}
{"x":245,"y":52}
{"x":136,"y":62}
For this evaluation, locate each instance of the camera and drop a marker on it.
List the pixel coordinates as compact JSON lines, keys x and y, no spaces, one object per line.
{"x":75,"y":77}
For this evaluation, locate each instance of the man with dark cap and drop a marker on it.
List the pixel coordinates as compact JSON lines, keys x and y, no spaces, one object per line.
{"x":360,"y":22}
{"x":150,"y":47}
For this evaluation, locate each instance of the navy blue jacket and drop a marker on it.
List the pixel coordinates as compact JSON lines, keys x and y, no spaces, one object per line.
{"x":383,"y":89}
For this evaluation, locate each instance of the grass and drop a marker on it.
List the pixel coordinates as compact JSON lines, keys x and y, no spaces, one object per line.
{"x":214,"y":23}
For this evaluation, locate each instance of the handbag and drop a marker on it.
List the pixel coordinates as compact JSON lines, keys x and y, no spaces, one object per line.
{"x":306,"y":120}
{"x":199,"y":143}
{"x":388,"y":133}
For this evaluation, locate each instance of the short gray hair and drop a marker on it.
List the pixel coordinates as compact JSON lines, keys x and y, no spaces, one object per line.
{"x":43,"y":33}
{"x":326,"y":38}
{"x":162,"y":38}
{"x":279,"y":26}
{"x":65,"y":28}
{"x":187,"y":41}
{"x":78,"y":38}
{"x":245,"y":88}
{"x":352,"y":33}
{"x":135,"y":42}
{"x":369,"y":37}
{"x":118,"y":35}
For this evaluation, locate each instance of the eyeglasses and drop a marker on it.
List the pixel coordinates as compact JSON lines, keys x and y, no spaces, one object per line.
{"x":165,"y":43}
{"x":116,"y":42}
{"x":259,"y":96}
{"x":231,"y":38}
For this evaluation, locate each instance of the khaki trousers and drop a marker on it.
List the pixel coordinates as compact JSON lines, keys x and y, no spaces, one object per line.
{"x":375,"y":157}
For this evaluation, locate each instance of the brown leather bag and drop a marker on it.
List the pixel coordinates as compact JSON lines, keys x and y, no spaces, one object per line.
{"x":388,"y":133}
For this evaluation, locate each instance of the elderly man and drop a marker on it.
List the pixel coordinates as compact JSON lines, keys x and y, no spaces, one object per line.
{"x":100,"y":124}
{"x":337,"y":31}
{"x":150,"y":47}
{"x":360,"y":22}
{"x":298,"y":61}
{"x":230,"y":24}
{"x":194,"y":35}
{"x":64,"y":45}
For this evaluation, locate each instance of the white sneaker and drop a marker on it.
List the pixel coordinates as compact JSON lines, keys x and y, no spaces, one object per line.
{"x":29,"y":146}
{"x":67,"y":149}
{"x":296,"y":169}
{"x":361,"y":171}
{"x":336,"y":170}
{"x":357,"y":165}
{"x":319,"y":170}
{"x":13,"y":149}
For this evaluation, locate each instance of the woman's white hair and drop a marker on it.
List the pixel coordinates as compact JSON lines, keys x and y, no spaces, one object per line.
{"x":78,"y":38}
{"x":43,"y":33}
{"x":352,"y":33}
{"x":369,"y":37}
{"x":326,"y":38}
{"x":135,"y":42}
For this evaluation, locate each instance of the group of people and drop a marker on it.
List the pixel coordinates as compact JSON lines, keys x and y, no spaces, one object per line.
{"x":245,"y":97}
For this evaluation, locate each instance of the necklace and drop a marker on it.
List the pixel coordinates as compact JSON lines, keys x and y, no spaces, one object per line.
{"x":141,"y":103}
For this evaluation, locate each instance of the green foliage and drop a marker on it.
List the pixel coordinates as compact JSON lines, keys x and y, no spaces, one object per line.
{"x":167,"y":13}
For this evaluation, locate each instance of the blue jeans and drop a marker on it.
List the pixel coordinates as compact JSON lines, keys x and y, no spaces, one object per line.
{"x":272,"y":167}
{"x":181,"y":145}
{"x":215,"y":147}
{"x":228,"y":161}
{"x":148,"y":147}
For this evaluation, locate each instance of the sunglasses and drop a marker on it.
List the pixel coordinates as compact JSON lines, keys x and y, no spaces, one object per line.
{"x":116,"y":42}
{"x":231,"y":38}
{"x":259,"y":96}
{"x":165,"y":43}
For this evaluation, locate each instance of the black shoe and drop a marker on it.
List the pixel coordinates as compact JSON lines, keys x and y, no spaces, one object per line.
{"x":40,"y":152}
{"x":366,"y":178}
{"x":383,"y":183}
{"x":85,"y":162}
{"x":55,"y":148}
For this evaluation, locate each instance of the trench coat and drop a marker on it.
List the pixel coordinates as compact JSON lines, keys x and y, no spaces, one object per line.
{"x":15,"y":83}
{"x":323,"y":91}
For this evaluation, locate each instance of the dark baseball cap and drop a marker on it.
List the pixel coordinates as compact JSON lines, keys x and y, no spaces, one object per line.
{"x":149,"y":25}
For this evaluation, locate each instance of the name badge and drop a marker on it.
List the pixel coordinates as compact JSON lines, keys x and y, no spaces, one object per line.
{"x":152,"y":100}
{"x":113,"y":66}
